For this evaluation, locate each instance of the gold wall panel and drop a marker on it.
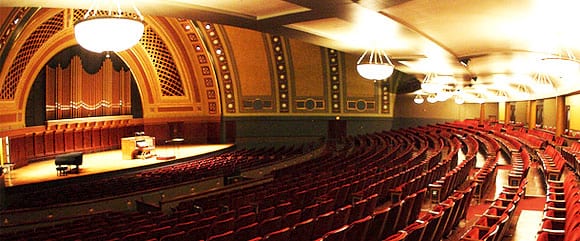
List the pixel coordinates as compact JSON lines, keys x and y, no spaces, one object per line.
{"x":356,"y":86}
{"x":574,"y":115}
{"x":307,"y":66}
{"x":251,"y":61}
{"x":549,"y":113}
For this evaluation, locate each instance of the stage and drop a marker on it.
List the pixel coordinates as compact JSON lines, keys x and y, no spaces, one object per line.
{"x":106,"y":161}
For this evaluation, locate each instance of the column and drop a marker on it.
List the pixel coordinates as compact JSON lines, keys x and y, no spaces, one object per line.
{"x":531,"y":114}
{"x":560,"y":115}
{"x":508,"y":112}
{"x":481,"y":113}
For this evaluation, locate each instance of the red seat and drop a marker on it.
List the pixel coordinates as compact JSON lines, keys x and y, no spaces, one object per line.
{"x":270,"y":225}
{"x":247,"y":232}
{"x":338,"y":234}
{"x":358,"y":229}
{"x":227,"y":236}
{"x":399,"y":236}
{"x":279,"y":235}
{"x":178,"y":236}
{"x":302,"y":231}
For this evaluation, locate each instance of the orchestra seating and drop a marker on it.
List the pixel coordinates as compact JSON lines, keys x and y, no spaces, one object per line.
{"x":369,"y":187}
{"x":95,"y":188}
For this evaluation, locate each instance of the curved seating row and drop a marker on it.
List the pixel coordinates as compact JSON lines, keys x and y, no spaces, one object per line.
{"x":94,"y":188}
{"x":561,"y":218}
{"x":331,"y":195}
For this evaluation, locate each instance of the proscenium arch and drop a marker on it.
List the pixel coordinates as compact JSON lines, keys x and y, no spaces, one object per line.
{"x":136,"y":58}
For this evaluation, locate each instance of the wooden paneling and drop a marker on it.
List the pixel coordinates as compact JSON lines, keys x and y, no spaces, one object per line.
{"x":49,"y":142}
{"x":39,"y":144}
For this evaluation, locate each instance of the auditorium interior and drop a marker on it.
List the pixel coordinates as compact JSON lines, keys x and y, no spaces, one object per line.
{"x":327,"y":120}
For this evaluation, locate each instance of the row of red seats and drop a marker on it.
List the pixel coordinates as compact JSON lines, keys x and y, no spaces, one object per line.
{"x":486,"y":175}
{"x":530,"y":141}
{"x":94,"y":188}
{"x":352,"y":182}
{"x":552,"y":161}
{"x":561,"y":219}
{"x":497,"y":218}
{"x":439,"y":221}
{"x":339,"y":228}
{"x":572,"y":155}
{"x":433,"y":225}
{"x":443,"y":187}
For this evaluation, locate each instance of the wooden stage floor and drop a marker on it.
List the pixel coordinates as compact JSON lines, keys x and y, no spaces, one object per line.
{"x":106,"y":161}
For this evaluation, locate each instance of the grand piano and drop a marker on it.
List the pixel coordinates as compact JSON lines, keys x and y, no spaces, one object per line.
{"x":69,"y":159}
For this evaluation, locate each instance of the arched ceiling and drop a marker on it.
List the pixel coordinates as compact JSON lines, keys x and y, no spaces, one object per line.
{"x":494,"y":44}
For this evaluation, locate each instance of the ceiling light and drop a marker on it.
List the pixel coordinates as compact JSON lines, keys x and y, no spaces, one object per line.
{"x":432,"y":98}
{"x":374,"y":65}
{"x":459,"y":99}
{"x":419,"y":99}
{"x":429,"y":85}
{"x":444,"y":95}
{"x":113,"y":31}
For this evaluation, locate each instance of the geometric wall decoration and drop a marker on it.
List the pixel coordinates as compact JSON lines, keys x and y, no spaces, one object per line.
{"x":258,"y":104}
{"x":334,"y":71}
{"x":360,"y":105}
{"x":385,"y":98}
{"x":310,"y":104}
{"x":7,"y":31}
{"x":203,"y":62}
{"x":216,"y":47}
{"x":167,"y":74}
{"x":281,"y":72}
{"x":31,"y":45}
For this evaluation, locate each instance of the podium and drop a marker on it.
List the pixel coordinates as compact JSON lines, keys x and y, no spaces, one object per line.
{"x":131,"y":145}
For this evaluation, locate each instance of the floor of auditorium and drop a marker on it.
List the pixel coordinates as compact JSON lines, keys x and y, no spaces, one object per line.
{"x":106,"y":161}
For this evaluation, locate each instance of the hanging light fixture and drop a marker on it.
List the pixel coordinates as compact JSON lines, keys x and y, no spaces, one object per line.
{"x":419,"y":99}
{"x":432,"y":98}
{"x":458,"y":97}
{"x":112,"y":31}
{"x":374,"y":65}
{"x":433,"y":83}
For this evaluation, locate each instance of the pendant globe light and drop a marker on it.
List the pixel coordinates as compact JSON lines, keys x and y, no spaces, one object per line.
{"x":374,"y":64}
{"x":418,"y":99}
{"x":101,"y":31}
